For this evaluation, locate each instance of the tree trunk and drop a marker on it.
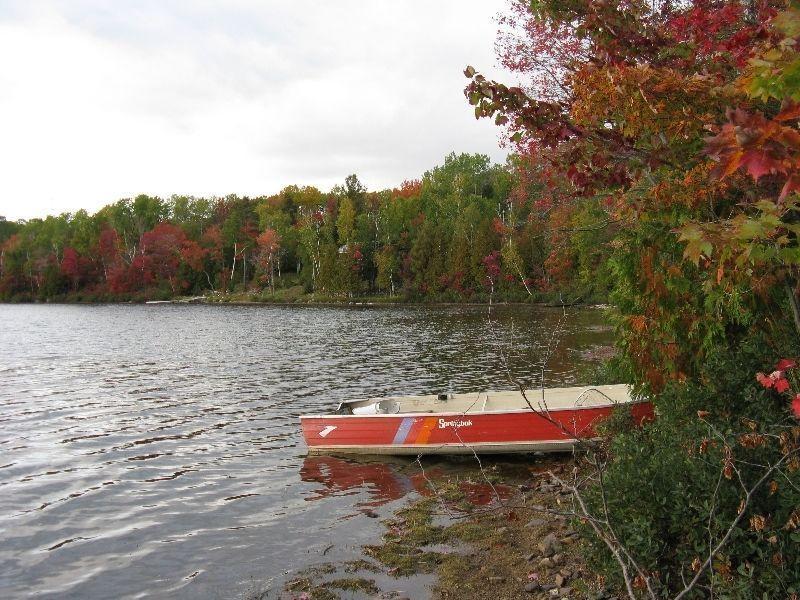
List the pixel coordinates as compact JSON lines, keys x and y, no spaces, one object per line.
{"x":233,"y":267}
{"x":794,"y":305}
{"x":271,"y":275}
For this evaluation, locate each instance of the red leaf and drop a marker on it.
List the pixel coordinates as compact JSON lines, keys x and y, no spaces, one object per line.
{"x":781,"y":385}
{"x":759,"y":163}
{"x":792,"y":185}
{"x":796,"y":406}
{"x":764,"y":380}
{"x":789,"y":112}
{"x":784,"y":364}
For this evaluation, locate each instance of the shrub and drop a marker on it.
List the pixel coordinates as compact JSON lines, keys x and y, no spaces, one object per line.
{"x":673,"y":487}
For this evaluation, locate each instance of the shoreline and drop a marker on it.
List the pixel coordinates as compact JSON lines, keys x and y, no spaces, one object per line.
{"x":327,"y":303}
{"x":449,"y":543}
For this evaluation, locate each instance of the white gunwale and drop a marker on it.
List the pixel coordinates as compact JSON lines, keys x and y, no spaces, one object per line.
{"x":474,"y":414}
{"x":556,"y":400}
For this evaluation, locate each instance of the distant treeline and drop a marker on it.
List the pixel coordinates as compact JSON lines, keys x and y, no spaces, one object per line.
{"x":465,"y":231}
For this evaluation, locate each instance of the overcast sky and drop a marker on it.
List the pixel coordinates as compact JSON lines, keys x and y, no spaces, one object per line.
{"x":101,"y":100}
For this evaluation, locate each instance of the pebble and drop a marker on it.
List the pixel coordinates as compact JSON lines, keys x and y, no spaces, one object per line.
{"x":559,"y":580}
{"x":558,"y":559}
{"x":532,"y":587}
{"x":546,"y":563}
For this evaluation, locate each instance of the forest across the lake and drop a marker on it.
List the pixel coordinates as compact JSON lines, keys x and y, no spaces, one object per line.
{"x":465,"y":231}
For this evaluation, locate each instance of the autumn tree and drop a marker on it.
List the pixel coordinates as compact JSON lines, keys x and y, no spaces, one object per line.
{"x":667,"y":133}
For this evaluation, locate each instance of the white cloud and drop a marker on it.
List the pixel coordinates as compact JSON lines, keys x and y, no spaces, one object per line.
{"x":102,"y":100}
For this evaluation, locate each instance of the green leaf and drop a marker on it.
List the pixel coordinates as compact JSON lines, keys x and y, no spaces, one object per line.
{"x":766,"y":206}
{"x":690,"y":233}
{"x":696,"y":249}
{"x":790,"y":256}
{"x":750,"y":229}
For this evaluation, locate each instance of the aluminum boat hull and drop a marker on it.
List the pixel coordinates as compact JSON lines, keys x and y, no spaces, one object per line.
{"x":465,"y":431}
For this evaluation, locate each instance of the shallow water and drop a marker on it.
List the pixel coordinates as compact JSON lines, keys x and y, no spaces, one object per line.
{"x":155,"y":450}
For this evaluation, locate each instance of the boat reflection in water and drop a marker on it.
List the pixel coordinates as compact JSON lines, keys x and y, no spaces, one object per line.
{"x":388,"y":481}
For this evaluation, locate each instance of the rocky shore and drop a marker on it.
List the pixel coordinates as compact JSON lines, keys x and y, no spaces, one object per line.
{"x":447,"y":545}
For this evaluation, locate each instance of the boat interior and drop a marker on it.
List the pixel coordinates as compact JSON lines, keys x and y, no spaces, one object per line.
{"x":549,"y":399}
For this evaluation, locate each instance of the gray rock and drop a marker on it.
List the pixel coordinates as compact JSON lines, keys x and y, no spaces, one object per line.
{"x":546,"y":563}
{"x":532,"y":587}
{"x":549,"y":545}
{"x":535,"y":522}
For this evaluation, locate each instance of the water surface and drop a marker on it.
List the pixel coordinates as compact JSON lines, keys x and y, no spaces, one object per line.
{"x":155,"y":450}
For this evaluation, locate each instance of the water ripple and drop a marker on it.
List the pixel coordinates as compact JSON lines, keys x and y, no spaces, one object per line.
{"x":155,"y":450}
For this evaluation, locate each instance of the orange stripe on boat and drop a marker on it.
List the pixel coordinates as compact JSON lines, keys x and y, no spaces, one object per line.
{"x":425,"y":432}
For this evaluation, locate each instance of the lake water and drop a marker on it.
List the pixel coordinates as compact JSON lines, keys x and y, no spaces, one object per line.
{"x":155,"y":451}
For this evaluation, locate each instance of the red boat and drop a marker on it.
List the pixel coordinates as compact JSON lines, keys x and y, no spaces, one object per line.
{"x":488,"y":422}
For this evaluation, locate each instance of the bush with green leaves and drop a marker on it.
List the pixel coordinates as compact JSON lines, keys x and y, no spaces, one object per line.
{"x":675,"y":487}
